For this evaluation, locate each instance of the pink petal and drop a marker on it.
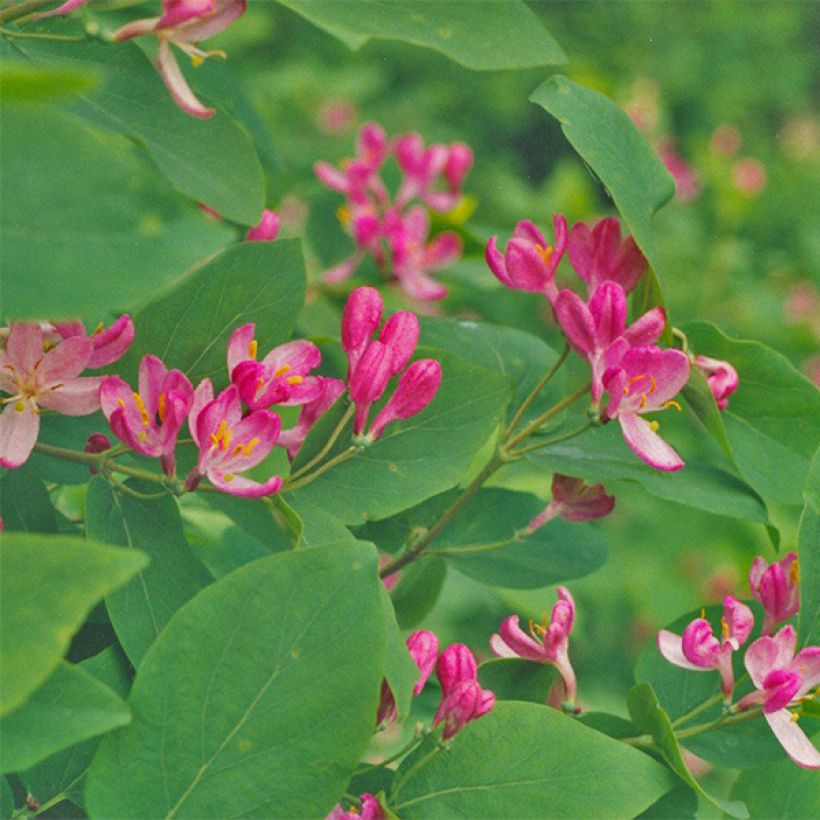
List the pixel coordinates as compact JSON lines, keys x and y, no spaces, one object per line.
{"x":24,"y":346}
{"x":361,"y":318}
{"x":760,"y":659}
{"x":576,"y":321}
{"x":177,"y":85}
{"x":331,"y":177}
{"x":262,"y":426}
{"x":608,"y":309}
{"x":699,"y":644}
{"x":580,"y":250}
{"x":629,"y":265}
{"x":66,"y":361}
{"x":496,"y":263}
{"x":739,"y":620}
{"x":668,"y":369}
{"x":647,"y":329}
{"x":238,"y":485}
{"x":400,"y":335}
{"x":18,"y":434}
{"x":64,"y":8}
{"x":793,"y":739}
{"x":111,"y":343}
{"x":444,"y":250}
{"x":299,"y":356}
{"x":75,"y":397}
{"x":417,"y":387}
{"x":647,"y":444}
{"x":136,"y":29}
{"x":373,"y":371}
{"x":240,"y":346}
{"x":807,"y":664}
{"x":203,"y":395}
{"x":500,"y":649}
{"x":671,"y":647}
{"x":423,"y":647}
{"x":456,"y":664}
{"x":152,"y":373}
{"x":521,"y":644}
{"x":785,"y":642}
{"x":196,"y":31}
{"x":527,"y":230}
{"x":423,"y":288}
{"x":226,"y":406}
{"x":526,"y":266}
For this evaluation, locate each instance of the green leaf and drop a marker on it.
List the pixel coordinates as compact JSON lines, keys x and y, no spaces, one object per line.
{"x":188,"y":326}
{"x":414,"y":459}
{"x":265,"y":519}
{"x":85,"y":230}
{"x":701,"y":401}
{"x":6,"y":799}
{"x":401,"y":671}
{"x":602,"y":455}
{"x":487,"y":542}
{"x":517,"y":679}
{"x":773,"y":420}
{"x":319,"y":528}
{"x":140,"y":609}
{"x":648,"y":716}
{"x":679,"y":804}
{"x":211,"y":161}
{"x":258,"y":698}
{"x":69,"y":707}
{"x":780,"y":791}
{"x":483,"y":35}
{"x":808,"y":551}
{"x":417,"y":591}
{"x":23,"y":83}
{"x":647,"y":295}
{"x":69,"y":575}
{"x":524,"y":760}
{"x":24,"y":502}
{"x":607,"y":139}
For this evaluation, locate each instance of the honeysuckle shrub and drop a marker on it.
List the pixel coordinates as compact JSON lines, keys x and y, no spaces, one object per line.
{"x":244,"y":454}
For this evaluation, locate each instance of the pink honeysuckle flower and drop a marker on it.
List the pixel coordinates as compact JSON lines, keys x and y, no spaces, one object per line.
{"x":109,"y":343}
{"x":783,"y":679}
{"x":63,"y":8}
{"x":371,"y":809}
{"x":423,"y":648}
{"x":417,"y":387}
{"x":721,"y":376}
{"x":598,"y":255}
{"x":184,"y":24}
{"x":266,"y":230}
{"x":699,"y":650}
{"x":529,"y":262}
{"x":280,"y":378}
{"x":149,"y":420}
{"x":646,"y":380}
{"x":329,"y":391}
{"x":424,"y":166}
{"x":462,"y":698}
{"x":230,"y":444}
{"x":574,"y":500}
{"x":598,"y":331}
{"x":546,"y":643}
{"x":777,"y":587}
{"x":414,"y":258}
{"x":35,"y":377}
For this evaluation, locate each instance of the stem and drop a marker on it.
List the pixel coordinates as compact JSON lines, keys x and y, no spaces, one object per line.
{"x":707,"y":704}
{"x":471,"y":549}
{"x":553,"y":411}
{"x":327,"y":445}
{"x":288,"y":487}
{"x":21,"y":9}
{"x":416,"y":740}
{"x":411,"y":771}
{"x":133,"y":493}
{"x":446,"y":517}
{"x":30,"y":35}
{"x":566,"y":437}
{"x":538,"y":388}
{"x":701,"y":728}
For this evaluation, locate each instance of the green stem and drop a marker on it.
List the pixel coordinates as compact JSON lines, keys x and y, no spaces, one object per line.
{"x":289,"y":487}
{"x":327,"y":445}
{"x":124,"y":488}
{"x":446,"y":517}
{"x":546,"y":416}
{"x":471,"y":549}
{"x":707,"y":704}
{"x":582,"y":429}
{"x":393,"y":758}
{"x":700,"y":729}
{"x":31,"y":35}
{"x":394,"y":792}
{"x":22,"y":9}
{"x":537,"y":389}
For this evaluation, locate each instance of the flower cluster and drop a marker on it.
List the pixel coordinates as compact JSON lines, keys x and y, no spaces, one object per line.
{"x":395,"y":230}
{"x":782,"y":680}
{"x":638,"y":376}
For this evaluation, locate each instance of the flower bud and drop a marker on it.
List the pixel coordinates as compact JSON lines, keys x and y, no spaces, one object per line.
{"x":721,"y":376}
{"x":267,"y":230}
{"x":361,"y":318}
{"x":455,"y":665}
{"x":776,"y":586}
{"x":423,"y":646}
{"x":417,"y":387}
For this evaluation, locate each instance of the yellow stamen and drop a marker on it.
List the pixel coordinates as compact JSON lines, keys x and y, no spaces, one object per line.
{"x":228,"y":477}
{"x":216,"y":437}
{"x":226,"y":441}
{"x":672,"y":404}
{"x":343,"y":213}
{"x":643,"y":401}
{"x":252,"y":349}
{"x":794,"y":572}
{"x":285,"y":368}
{"x":121,"y":403}
{"x":162,"y":407}
{"x":794,"y":716}
{"x":653,"y":426}
{"x":626,"y":391}
{"x":637,"y":378}
{"x":142,"y":435}
{"x":98,"y":330}
{"x":652,"y":386}
{"x":38,"y":363}
{"x":546,"y":253}
{"x":20,"y":406}
{"x":141,"y":407}
{"x":724,"y":628}
{"x":196,"y":60}
{"x":10,"y":367}
{"x":294,"y":380}
{"x":237,"y":450}
{"x":250,"y":447}
{"x":703,"y":614}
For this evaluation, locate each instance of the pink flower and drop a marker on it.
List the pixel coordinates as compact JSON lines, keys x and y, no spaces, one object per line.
{"x":417,"y":387}
{"x":462,"y":698}
{"x":546,"y":643}
{"x":149,"y":420}
{"x":574,"y":500}
{"x":329,"y":391}
{"x":423,"y":648}
{"x":230,"y":444}
{"x":414,"y":258}
{"x":749,"y":176}
{"x":424,"y":167}
{"x":109,"y":343}
{"x":699,"y":650}
{"x":184,"y":24}
{"x":280,"y":378}
{"x":371,"y":809}
{"x":721,"y":376}
{"x":34,"y":378}
{"x":63,"y":8}
{"x":783,"y":680}
{"x":777,"y":588}
{"x":267,"y":230}
{"x":598,"y":255}
{"x":687,"y":183}
{"x":646,"y":380}
{"x":598,"y":330}
{"x":529,"y":263}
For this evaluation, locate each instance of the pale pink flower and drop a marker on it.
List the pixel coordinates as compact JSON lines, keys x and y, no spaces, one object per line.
{"x":777,"y":587}
{"x":109,"y":343}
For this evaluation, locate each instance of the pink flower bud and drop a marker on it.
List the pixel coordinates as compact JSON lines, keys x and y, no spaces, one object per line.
{"x":372,"y":144}
{"x":423,"y":646}
{"x":574,"y":500}
{"x":97,"y":443}
{"x":455,"y":665}
{"x":386,"y":711}
{"x":459,"y":162}
{"x":401,"y":335}
{"x":417,"y":387}
{"x":361,"y":318}
{"x":368,"y":381}
{"x":721,"y":376}
{"x":267,"y":230}
{"x":777,"y":588}
{"x":465,"y":702}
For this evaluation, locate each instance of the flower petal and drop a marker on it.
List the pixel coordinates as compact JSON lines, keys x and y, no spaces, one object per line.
{"x":647,"y":329}
{"x":24,"y":346}
{"x":74,"y":397}
{"x":239,"y":485}
{"x":204,"y":394}
{"x":793,"y":739}
{"x":671,"y":647}
{"x":18,"y":433}
{"x":647,"y":444}
{"x":177,"y":85}
{"x":608,"y":309}
{"x":66,"y":361}
{"x":521,"y":644}
{"x":576,"y":321}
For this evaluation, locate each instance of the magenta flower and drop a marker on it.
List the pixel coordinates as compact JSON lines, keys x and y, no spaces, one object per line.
{"x":598,"y":330}
{"x":598,"y":255}
{"x":414,"y":258}
{"x":574,"y":500}
{"x":783,"y":679}
{"x":721,"y":376}
{"x":230,"y":444}
{"x":184,"y":24}
{"x":699,"y":650}
{"x":777,"y":588}
{"x":646,"y":380}
{"x":529,"y":263}
{"x":417,"y":387}
{"x":149,"y":420}
{"x":423,"y":648}
{"x":266,"y":230}
{"x":371,"y":809}
{"x":462,"y":698}
{"x":34,"y":378}
{"x":329,"y":391}
{"x":546,"y":643}
{"x":280,"y":378}
{"x":423,"y":167}
{"x":109,"y":343}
